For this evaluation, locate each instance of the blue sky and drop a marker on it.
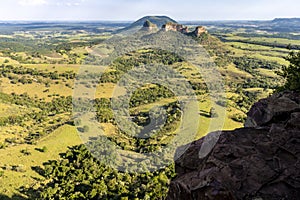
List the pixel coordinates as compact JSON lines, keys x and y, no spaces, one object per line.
{"x":133,"y":9}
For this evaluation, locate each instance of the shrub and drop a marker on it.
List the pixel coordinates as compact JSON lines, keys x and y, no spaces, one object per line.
{"x":238,"y":117}
{"x":86,"y":129}
{"x":26,"y":152}
{"x":222,"y":103}
{"x":42,"y":150}
{"x":18,"y":168}
{"x":213,"y":113}
{"x":3,"y":145}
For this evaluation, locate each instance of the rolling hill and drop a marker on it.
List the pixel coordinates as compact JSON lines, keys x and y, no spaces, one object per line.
{"x":157,"y":20}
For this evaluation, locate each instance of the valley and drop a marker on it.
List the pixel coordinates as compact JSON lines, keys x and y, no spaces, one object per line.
{"x":41,"y":128}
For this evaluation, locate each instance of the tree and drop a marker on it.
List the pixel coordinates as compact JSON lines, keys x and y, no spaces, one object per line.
{"x":291,"y":73}
{"x":86,"y":128}
{"x":79,"y":175}
{"x":213,"y":113}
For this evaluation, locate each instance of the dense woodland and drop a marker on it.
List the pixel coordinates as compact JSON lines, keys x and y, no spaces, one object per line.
{"x":80,"y":176}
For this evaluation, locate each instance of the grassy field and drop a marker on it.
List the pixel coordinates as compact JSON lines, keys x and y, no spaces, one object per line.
{"x":259,"y":47}
{"x":267,"y":40}
{"x":54,"y":67}
{"x":37,"y":90}
{"x":267,"y":72}
{"x":7,"y":60}
{"x":12,"y":110}
{"x":235,"y":74}
{"x":55,"y":143}
{"x":256,"y":47}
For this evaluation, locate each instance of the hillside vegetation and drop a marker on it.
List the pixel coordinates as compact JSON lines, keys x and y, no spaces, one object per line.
{"x":42,"y":155}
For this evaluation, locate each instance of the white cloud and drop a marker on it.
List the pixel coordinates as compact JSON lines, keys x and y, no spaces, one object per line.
{"x":32,"y":2}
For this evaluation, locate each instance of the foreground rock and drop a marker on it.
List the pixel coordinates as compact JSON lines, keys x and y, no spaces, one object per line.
{"x":261,"y":161}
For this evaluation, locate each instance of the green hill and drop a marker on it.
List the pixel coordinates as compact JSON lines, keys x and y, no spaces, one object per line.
{"x":157,"y":20}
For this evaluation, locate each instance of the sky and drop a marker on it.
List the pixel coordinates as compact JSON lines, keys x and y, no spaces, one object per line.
{"x":129,"y":10}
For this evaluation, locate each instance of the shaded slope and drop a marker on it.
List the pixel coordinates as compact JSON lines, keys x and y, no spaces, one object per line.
{"x":258,"y":162}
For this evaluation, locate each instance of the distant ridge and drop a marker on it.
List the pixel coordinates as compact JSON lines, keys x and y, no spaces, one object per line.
{"x":159,"y":21}
{"x":286,"y":24}
{"x":286,"y":20}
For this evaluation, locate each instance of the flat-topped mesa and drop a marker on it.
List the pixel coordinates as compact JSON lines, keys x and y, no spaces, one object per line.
{"x":174,"y":27}
{"x":149,"y":26}
{"x":199,"y":31}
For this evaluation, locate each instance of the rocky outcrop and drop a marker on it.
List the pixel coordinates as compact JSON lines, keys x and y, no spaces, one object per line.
{"x":260,"y":161}
{"x":199,"y":31}
{"x":183,"y":29}
{"x":276,"y":108}
{"x":148,"y":26}
{"x":174,"y":27}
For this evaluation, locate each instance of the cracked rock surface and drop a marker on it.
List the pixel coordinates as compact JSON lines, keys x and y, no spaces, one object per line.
{"x":258,"y":162}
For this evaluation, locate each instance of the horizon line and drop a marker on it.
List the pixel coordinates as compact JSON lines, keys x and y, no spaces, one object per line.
{"x":133,"y":20}
{"x":128,"y":21}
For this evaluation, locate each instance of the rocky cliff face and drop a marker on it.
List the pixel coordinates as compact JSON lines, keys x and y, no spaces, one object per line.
{"x":199,"y":31}
{"x":260,"y":161}
{"x":183,"y":29}
{"x":174,"y":27}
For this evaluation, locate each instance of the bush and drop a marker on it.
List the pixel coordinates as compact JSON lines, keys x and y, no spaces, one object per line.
{"x":3,"y":145}
{"x":26,"y":152}
{"x":42,"y":150}
{"x":86,"y":129}
{"x":18,"y":168}
{"x":213,"y":113}
{"x":239,"y":117}
{"x":222,"y":103}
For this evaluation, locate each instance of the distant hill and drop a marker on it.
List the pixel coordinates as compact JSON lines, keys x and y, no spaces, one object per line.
{"x":291,"y":20}
{"x":157,"y":20}
{"x":286,"y":24}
